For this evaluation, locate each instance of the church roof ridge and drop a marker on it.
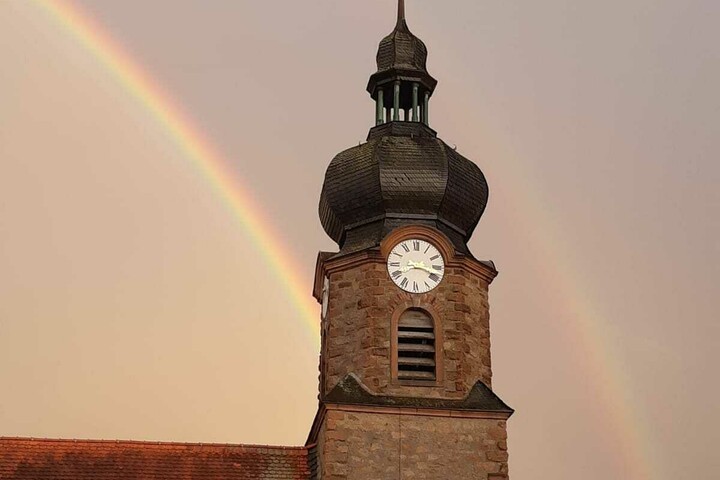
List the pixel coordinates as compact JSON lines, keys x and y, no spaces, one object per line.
{"x":150,"y":443}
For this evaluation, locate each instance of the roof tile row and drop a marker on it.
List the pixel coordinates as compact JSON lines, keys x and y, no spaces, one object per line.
{"x":38,"y":459}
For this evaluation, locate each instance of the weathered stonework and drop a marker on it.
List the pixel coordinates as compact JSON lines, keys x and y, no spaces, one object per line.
{"x":392,"y":446}
{"x":359,"y":329}
{"x":405,"y":378}
{"x":364,"y":439}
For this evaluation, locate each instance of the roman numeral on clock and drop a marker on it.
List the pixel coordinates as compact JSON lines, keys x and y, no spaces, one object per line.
{"x":396,"y":274}
{"x":416,"y":245}
{"x":434,"y":277}
{"x":405,"y":247}
{"x":404,"y":283}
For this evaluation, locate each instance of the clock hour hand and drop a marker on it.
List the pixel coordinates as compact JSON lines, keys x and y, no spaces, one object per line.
{"x":407,"y":268}
{"x":418,"y":265}
{"x":422,"y":266}
{"x":412,"y":265}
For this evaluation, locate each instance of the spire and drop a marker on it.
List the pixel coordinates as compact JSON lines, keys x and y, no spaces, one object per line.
{"x":402,"y":86}
{"x":404,"y":174}
{"x":401,"y":11}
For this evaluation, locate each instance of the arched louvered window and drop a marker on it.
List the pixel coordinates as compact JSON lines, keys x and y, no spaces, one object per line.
{"x":416,"y":346}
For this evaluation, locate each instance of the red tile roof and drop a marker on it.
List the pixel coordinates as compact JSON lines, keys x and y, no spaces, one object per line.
{"x":32,"y":459}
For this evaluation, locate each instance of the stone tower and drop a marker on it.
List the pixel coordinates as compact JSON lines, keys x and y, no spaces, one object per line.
{"x":405,"y":370}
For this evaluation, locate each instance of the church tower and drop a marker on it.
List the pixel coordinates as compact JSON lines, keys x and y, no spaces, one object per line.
{"x":405,"y":370}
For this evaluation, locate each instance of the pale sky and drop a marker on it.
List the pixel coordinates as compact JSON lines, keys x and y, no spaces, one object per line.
{"x":134,"y":306}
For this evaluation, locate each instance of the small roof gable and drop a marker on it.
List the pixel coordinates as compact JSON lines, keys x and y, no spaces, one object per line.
{"x":33,"y":459}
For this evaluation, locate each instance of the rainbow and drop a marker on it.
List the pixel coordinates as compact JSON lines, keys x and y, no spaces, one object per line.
{"x":600,"y":361}
{"x":166,"y":111}
{"x":596,"y":353}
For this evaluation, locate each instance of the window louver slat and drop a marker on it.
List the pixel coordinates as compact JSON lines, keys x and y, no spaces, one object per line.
{"x":416,"y":335}
{"x":420,"y":376}
{"x":416,"y":346}
{"x":416,"y":319}
{"x":414,"y":361}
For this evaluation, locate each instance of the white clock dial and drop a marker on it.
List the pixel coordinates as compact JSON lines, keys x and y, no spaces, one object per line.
{"x":416,"y":266}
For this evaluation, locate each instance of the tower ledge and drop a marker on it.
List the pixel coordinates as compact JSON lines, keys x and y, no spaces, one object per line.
{"x":351,"y":391}
{"x":402,"y":129}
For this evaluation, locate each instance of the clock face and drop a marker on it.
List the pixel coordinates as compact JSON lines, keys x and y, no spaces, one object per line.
{"x":416,"y":266}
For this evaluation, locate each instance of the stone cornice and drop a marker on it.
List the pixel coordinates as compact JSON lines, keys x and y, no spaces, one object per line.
{"x":351,"y":392}
{"x":425,"y":412}
{"x":329,"y":263}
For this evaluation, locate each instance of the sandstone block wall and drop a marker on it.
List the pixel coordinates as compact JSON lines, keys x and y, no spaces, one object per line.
{"x":362,"y":301}
{"x":377,"y":446}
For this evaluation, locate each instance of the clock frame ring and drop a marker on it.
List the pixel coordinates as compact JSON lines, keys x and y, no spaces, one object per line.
{"x":420,"y":232}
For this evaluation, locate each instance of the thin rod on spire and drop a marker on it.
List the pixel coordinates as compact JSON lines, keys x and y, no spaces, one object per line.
{"x":401,"y":10}
{"x":415,"y":104}
{"x":426,"y":109}
{"x":396,"y":102}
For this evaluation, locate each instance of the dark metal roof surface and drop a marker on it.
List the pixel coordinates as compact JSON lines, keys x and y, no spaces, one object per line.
{"x":404,"y":174}
{"x":403,"y":50}
{"x":401,"y":56}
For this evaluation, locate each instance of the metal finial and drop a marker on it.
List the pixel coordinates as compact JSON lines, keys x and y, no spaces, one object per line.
{"x":401,"y":10}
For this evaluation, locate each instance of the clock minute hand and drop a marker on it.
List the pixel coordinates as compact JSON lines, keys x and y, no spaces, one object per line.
{"x":422,"y":266}
{"x":418,"y":265}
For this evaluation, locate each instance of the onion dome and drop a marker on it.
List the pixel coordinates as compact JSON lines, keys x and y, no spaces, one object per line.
{"x":404,"y":174}
{"x":401,"y":56}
